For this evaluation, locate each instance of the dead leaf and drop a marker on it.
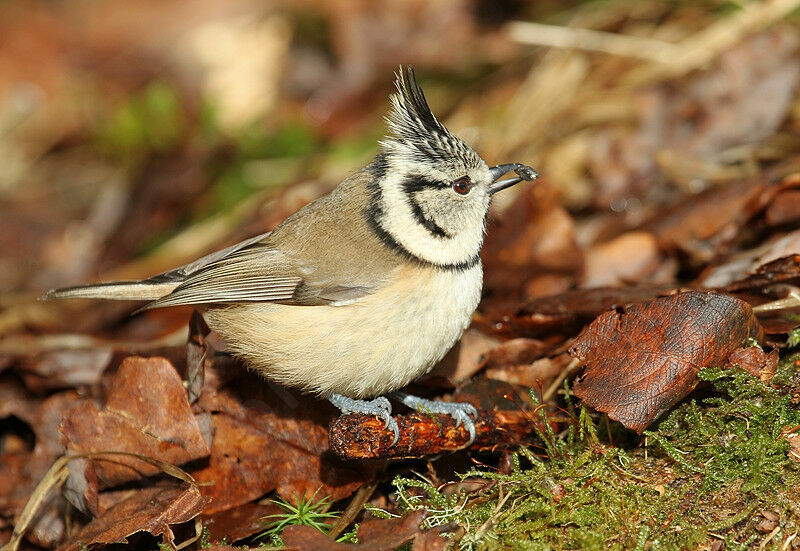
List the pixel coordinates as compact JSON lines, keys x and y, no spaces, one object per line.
{"x":792,"y":435}
{"x":515,"y":352}
{"x":537,"y":374}
{"x":149,"y":509}
{"x":21,"y":471}
{"x":756,"y":362}
{"x":267,"y":438}
{"x":784,"y":209}
{"x":643,"y":359}
{"x":430,"y":540}
{"x":198,"y":355}
{"x":67,"y":368}
{"x":782,"y":270}
{"x":239,"y":522}
{"x":741,"y":265}
{"x":567,"y":313}
{"x":534,"y":236}
{"x":741,"y":99}
{"x":629,"y":258}
{"x":147,"y":412}
{"x":464,"y":359}
{"x":373,"y":535}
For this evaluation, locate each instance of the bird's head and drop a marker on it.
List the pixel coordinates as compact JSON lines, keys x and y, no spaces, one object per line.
{"x":430,"y":190}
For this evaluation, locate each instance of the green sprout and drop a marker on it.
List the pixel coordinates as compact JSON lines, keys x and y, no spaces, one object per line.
{"x":304,"y":512}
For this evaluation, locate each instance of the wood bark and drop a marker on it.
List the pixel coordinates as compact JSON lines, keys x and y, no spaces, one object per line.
{"x":364,"y":436}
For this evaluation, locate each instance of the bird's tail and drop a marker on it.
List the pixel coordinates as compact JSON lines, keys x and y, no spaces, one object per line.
{"x":116,"y":290}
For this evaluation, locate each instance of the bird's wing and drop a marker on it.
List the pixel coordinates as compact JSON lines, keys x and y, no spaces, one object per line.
{"x":181,"y":273}
{"x":254,"y":271}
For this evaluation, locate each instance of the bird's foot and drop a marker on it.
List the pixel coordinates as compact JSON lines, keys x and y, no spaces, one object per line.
{"x":462,"y":412}
{"x":379,"y":407}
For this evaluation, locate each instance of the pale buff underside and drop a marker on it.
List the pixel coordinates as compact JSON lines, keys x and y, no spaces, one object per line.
{"x":363,"y":349}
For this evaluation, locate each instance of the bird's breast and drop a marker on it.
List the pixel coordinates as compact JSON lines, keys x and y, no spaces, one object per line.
{"x":364,"y":348}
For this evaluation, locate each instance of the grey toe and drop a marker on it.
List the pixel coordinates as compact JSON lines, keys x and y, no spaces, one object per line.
{"x":462,"y":412}
{"x":379,"y":407}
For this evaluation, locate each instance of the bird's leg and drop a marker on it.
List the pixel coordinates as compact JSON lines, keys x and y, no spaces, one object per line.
{"x":462,"y":412}
{"x":379,"y":407}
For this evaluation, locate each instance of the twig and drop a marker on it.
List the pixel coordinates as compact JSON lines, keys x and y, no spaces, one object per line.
{"x":364,"y":436}
{"x":556,"y":384}
{"x":791,"y":300}
{"x":353,"y":508}
{"x":670,"y":59}
{"x":763,"y":544}
{"x":556,"y":36}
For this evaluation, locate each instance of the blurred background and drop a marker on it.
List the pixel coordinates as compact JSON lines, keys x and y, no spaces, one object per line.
{"x":136,"y":136}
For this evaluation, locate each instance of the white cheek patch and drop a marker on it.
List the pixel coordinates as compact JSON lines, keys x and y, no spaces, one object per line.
{"x":464,"y":226}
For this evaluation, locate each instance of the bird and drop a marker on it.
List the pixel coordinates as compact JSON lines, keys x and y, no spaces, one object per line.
{"x":363,"y":290}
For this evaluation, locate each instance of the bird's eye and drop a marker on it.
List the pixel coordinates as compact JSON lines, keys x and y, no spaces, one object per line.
{"x":462,"y":186}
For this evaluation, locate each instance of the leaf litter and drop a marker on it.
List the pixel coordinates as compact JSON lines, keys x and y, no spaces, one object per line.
{"x":659,"y":248}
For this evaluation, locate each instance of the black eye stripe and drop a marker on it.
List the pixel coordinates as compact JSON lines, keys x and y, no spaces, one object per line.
{"x":414,"y":184}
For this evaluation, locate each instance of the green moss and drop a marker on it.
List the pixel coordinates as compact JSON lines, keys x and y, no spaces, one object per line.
{"x":704,"y":473}
{"x":734,"y":436}
{"x":151,"y":121}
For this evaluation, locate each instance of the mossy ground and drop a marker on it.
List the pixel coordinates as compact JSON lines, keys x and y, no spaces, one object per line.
{"x":702,"y":475}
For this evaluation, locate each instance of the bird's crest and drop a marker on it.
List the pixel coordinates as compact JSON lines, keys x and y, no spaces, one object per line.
{"x":415,"y":131}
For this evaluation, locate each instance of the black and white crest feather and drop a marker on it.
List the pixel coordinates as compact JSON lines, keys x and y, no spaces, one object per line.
{"x":416,"y":133}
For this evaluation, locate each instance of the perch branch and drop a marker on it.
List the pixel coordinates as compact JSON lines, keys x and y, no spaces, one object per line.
{"x":364,"y":436}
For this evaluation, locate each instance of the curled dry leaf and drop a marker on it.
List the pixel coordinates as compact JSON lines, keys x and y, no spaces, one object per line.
{"x":756,"y":362}
{"x":792,"y":435}
{"x":150,"y":509}
{"x":643,"y":359}
{"x":147,"y":412}
{"x":781,"y":270}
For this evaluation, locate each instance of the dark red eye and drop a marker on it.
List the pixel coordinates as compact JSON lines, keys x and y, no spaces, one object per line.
{"x":462,"y":185}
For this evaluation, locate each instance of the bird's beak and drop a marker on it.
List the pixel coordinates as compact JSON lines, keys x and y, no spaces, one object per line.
{"x":523,"y":173}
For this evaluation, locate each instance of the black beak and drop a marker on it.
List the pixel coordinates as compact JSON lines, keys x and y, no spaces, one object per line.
{"x":524,"y":172}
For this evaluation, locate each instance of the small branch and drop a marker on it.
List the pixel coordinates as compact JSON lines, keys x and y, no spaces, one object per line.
{"x":555,"y":36}
{"x":364,"y":437}
{"x":556,"y":384}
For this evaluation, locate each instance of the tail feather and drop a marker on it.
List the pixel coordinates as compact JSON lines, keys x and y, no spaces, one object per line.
{"x":115,"y":290}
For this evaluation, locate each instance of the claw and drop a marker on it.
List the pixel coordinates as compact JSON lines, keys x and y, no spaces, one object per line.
{"x":379,"y":407}
{"x":462,"y":412}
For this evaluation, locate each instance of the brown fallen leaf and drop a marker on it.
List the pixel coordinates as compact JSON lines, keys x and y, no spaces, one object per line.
{"x":630,"y":258}
{"x":755,"y":361}
{"x":792,"y":435}
{"x":150,"y":509}
{"x":464,"y":359}
{"x":267,"y":438}
{"x":566,"y":313}
{"x":782,"y":270}
{"x":785,"y":206}
{"x":535,"y":235}
{"x":147,"y":412}
{"x":373,"y":535}
{"x":22,"y":470}
{"x":642,"y":359}
{"x":66,"y":368}
{"x":537,"y":374}
{"x":515,"y":352}
{"x":239,"y":522}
